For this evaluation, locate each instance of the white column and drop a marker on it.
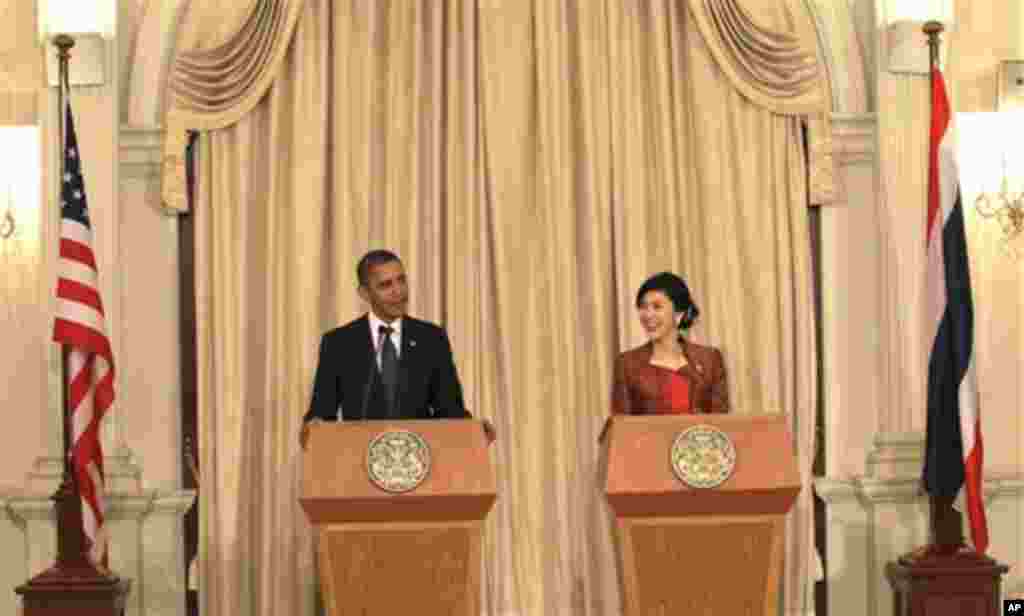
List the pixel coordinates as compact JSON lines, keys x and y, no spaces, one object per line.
{"x":870,"y":522}
{"x":163,"y":565}
{"x":146,"y":545}
{"x":902,"y":180}
{"x":851,"y":258}
{"x":14,"y":570}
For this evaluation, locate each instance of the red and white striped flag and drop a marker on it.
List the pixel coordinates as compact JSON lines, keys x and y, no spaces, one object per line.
{"x":80,"y":325}
{"x":953,"y":448}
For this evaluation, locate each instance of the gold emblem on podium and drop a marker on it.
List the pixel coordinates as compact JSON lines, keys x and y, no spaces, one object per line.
{"x":398,"y":461}
{"x":703,"y":456}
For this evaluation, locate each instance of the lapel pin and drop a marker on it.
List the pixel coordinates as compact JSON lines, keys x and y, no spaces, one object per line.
{"x":412,"y":343}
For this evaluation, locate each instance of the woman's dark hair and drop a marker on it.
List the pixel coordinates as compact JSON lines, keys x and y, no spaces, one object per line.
{"x":675,"y":288}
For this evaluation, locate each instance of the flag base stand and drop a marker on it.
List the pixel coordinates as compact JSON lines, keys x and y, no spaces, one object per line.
{"x":73,"y":584}
{"x":943,"y":554}
{"x":945,"y":577}
{"x":947,"y":539}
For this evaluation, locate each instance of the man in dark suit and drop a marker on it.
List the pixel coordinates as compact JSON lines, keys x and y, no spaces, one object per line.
{"x":385,"y":364}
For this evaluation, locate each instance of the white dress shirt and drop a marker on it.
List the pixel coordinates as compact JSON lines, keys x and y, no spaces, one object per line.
{"x":396,"y":335}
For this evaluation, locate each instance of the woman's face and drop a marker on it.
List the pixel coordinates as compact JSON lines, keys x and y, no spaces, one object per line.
{"x":657,"y":315}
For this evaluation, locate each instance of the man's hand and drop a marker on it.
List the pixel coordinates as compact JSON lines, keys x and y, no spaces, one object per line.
{"x":304,"y":432}
{"x":489,"y":431}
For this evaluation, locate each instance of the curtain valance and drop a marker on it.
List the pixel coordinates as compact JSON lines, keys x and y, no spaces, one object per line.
{"x":214,"y":87}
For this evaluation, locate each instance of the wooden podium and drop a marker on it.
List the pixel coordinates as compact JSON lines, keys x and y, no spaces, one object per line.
{"x":698,"y":551}
{"x":416,"y":552}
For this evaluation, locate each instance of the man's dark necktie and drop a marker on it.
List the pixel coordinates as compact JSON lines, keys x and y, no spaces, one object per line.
{"x":388,"y":368}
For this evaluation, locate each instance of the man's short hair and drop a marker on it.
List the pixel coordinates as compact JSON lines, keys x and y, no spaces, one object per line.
{"x":373,"y":259}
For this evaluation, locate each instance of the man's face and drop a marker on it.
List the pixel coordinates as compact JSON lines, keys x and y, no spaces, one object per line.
{"x":387,"y":290}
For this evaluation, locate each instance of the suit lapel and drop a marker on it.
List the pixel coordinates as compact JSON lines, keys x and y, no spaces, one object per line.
{"x":366,"y":346}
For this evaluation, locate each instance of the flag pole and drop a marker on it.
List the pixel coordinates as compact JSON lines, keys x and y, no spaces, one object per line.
{"x":73,"y":582}
{"x":933,"y":29}
{"x":71,"y":545}
{"x":64,"y":43}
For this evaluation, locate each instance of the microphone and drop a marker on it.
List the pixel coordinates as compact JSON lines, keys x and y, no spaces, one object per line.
{"x":370,"y":381}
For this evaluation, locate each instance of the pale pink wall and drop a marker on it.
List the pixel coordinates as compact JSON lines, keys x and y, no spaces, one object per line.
{"x":136,"y":249}
{"x":22,"y":373}
{"x":984,"y":34}
{"x":24,"y":316}
{"x":151,"y":392}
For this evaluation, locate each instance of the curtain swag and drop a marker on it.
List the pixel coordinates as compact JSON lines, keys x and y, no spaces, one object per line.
{"x":773,"y":68}
{"x":777,"y":69}
{"x":214,"y":88}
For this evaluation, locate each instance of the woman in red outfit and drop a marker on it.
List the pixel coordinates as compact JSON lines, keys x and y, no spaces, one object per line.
{"x":668,"y":374}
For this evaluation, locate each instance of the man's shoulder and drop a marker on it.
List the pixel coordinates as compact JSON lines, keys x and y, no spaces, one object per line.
{"x":412,"y":324}
{"x":425,"y":332}
{"x":342,"y":331}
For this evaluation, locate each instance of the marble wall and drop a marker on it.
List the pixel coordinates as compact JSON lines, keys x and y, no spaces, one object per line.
{"x":875,"y":354}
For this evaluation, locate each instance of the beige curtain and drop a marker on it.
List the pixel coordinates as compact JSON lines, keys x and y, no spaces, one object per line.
{"x":767,"y":51}
{"x":532,"y":162}
{"x":229,"y":53}
{"x":759,"y":47}
{"x":259,"y":242}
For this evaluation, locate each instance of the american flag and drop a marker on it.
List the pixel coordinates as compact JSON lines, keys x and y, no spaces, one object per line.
{"x":80,"y":324}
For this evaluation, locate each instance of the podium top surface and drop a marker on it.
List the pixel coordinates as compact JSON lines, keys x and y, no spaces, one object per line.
{"x":638,"y":478}
{"x":336,"y":484}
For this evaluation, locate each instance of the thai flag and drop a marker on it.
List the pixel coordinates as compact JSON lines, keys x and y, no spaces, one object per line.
{"x":954,"y":454}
